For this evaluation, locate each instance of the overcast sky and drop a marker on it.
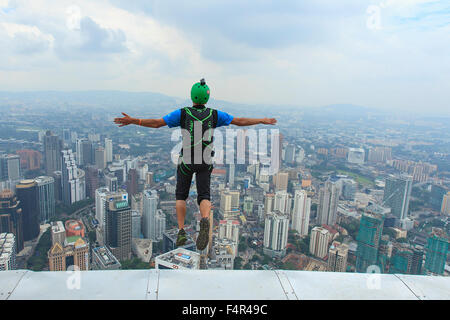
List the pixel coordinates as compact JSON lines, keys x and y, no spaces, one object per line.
{"x":390,"y":54}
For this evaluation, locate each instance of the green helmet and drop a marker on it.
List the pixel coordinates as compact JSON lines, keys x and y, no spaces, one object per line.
{"x":200,"y":92}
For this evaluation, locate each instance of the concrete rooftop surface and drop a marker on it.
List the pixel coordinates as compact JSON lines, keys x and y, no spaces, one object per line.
{"x":218,"y":285}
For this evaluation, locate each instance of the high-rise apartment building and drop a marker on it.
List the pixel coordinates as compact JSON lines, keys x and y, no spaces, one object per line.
{"x":445,"y":207}
{"x":276,"y":228}
{"x":8,"y":251}
{"x":153,"y":220}
{"x":337,"y":257}
{"x":282,"y":202}
{"x":229,"y":204}
{"x":318,"y":243}
{"x":301,"y":212}
{"x":281,"y":180}
{"x":73,"y":180}
{"x":436,"y":254}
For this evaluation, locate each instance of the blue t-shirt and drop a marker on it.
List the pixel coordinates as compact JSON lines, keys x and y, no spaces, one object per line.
{"x":173,"y":119}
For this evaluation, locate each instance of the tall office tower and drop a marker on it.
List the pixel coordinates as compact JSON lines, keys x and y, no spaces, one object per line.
{"x":149,"y":214}
{"x":101,"y":196}
{"x":111,"y":182}
{"x":52,"y":153}
{"x":445,"y":207}
{"x":318,"y":244}
{"x":29,"y":159}
{"x":67,"y":137}
{"x":406,"y":260}
{"x":58,"y":233}
{"x":281,"y":181}
{"x":160,"y":224}
{"x":27,"y":193}
{"x":397,"y":192}
{"x":11,"y":217}
{"x":92,"y":180}
{"x":118,"y":228}
{"x":8,"y":252}
{"x":108,"y":150}
{"x":248,"y":205}
{"x":135,"y":224}
{"x":132,"y":182}
{"x":229,"y":204}
{"x":356,"y":155}
{"x":328,"y":202}
{"x":85,"y":152}
{"x":46,"y":198}
{"x":73,"y":180}
{"x":269,"y":201}
{"x":289,"y":156}
{"x":437,"y":194}
{"x":368,"y":238}
{"x":337,"y":257}
{"x":231,"y":175}
{"x":57,"y":175}
{"x":436,"y":254}
{"x":276,"y":228}
{"x":349,"y":188}
{"x":118,"y":169}
{"x":301,"y":212}
{"x":10,"y":167}
{"x":61,"y":257}
{"x":380,"y":154}
{"x":100,"y":158}
{"x":73,"y":137}
{"x":282,"y":202}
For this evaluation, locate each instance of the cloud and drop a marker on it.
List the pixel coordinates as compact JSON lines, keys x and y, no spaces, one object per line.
{"x":23,"y":39}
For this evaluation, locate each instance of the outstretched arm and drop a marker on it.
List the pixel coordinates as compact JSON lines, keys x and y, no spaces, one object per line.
{"x":151,"y":123}
{"x":253,"y":121}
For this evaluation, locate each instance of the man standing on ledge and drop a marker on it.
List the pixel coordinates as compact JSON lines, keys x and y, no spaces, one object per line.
{"x":197,"y":123}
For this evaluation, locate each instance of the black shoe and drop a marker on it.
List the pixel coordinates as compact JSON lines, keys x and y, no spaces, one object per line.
{"x":203,"y":236}
{"x":181,"y":238}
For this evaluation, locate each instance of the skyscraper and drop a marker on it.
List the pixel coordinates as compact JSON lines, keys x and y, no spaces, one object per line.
{"x":281,"y":181}
{"x":397,"y":192}
{"x":52,"y":153}
{"x":276,"y":228}
{"x":269,"y":202}
{"x":10,"y":167}
{"x":27,"y":193}
{"x":289,"y":156}
{"x":283,"y":202}
{"x":100,"y":158}
{"x":149,"y":214}
{"x":368,"y":238}
{"x":118,"y":230}
{"x":229,"y":204}
{"x":231,"y":174}
{"x":132,"y":182}
{"x":46,"y":198}
{"x":436,"y":254}
{"x":85,"y":154}
{"x":11,"y":217}
{"x":135,"y":224}
{"x":318,"y":243}
{"x":406,"y":260}
{"x":102,"y":195}
{"x":328,"y":202}
{"x":62,"y":256}
{"x":92,"y":180}
{"x":108,"y":150}
{"x":73,"y":181}
{"x":301,"y":212}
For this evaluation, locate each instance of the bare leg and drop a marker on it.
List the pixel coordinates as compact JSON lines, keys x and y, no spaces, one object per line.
{"x":205,"y":208}
{"x":180,"y":206}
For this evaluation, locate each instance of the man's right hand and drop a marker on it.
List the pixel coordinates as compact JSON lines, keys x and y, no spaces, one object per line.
{"x":271,"y":121}
{"x":126,"y":120}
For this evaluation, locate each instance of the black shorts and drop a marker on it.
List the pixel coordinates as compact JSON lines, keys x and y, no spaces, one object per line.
{"x":202,"y":177}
